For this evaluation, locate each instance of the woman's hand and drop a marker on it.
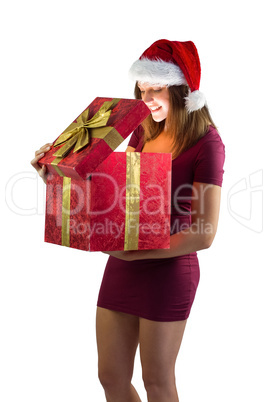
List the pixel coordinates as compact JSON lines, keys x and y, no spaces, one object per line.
{"x":42,"y":171}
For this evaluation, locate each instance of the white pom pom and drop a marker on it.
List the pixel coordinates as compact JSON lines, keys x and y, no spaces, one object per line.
{"x":194,"y":101}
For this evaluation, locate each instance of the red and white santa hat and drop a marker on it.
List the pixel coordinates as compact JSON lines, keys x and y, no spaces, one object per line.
{"x":167,"y":63}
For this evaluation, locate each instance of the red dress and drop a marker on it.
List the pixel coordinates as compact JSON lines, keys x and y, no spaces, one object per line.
{"x":164,"y":289}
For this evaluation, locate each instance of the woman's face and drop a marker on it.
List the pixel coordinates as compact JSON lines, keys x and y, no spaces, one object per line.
{"x":157,"y":99}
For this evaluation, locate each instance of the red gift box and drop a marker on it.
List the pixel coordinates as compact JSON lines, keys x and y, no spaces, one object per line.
{"x":124,"y":205}
{"x":93,"y":136}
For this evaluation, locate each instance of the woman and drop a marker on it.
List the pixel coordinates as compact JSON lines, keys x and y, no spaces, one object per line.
{"x":146,"y":296}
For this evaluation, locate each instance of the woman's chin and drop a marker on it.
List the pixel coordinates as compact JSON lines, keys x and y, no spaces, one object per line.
{"x":158,"y":119}
{"x":159,"y":116}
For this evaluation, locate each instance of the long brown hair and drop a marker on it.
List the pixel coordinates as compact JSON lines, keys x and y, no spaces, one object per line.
{"x":185,"y":128}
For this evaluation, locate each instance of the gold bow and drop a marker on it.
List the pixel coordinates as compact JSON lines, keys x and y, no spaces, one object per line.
{"x":77,"y":135}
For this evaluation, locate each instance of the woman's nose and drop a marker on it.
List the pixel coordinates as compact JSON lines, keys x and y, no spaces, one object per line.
{"x":147,"y":97}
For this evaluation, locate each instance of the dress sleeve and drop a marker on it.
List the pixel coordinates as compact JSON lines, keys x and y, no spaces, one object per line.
{"x":136,"y":136}
{"x":209,"y":162}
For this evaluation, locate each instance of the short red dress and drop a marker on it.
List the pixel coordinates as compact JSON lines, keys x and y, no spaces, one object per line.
{"x":164,"y":289}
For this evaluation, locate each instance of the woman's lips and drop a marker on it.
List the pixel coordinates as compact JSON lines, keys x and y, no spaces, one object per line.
{"x":155,"y":109}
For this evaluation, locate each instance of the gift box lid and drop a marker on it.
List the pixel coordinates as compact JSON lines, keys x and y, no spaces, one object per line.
{"x":93,"y":136}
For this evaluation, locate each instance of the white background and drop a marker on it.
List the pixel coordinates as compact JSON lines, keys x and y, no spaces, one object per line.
{"x":56,"y":58}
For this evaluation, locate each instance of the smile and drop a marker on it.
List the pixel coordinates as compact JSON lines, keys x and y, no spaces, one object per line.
{"x":155,"y":109}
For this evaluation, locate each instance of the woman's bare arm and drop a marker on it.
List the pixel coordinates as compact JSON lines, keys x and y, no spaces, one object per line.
{"x":200,"y":235}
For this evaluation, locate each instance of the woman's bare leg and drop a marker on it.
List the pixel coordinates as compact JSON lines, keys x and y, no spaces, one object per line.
{"x":159,"y":346}
{"x":117,"y":341}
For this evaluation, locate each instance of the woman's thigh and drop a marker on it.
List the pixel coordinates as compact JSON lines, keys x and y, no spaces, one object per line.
{"x":159,"y":346}
{"x":117,"y":341}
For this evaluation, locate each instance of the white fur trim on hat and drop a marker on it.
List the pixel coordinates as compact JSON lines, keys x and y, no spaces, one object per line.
{"x":156,"y":72}
{"x":194,"y":101}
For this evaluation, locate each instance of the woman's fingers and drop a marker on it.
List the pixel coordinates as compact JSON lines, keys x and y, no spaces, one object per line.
{"x":44,"y":148}
{"x":34,"y":162}
{"x":40,"y":153}
{"x":42,"y":171}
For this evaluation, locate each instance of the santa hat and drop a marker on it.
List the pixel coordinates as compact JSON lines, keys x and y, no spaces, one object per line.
{"x":167,"y":63}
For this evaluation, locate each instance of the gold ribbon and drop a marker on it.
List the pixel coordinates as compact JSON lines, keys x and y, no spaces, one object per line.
{"x":77,"y":135}
{"x":132,"y":201}
{"x":66,"y":203}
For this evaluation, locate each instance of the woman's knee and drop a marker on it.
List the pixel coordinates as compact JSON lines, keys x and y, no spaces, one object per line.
{"x":106,"y":378}
{"x":110,"y":379}
{"x":158,"y":384}
{"x":117,"y":340}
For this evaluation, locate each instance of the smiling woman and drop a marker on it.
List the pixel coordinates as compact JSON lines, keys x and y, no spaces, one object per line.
{"x":146,"y":296}
{"x":157,"y":99}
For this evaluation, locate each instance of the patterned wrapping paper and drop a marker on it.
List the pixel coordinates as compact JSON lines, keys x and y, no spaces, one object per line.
{"x":102,"y":137}
{"x":68,"y":200}
{"x":125,"y":205}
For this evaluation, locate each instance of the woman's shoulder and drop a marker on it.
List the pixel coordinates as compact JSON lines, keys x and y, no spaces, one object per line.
{"x":210,"y":148}
{"x":212,"y":134}
{"x":210,"y":145}
{"x":209,"y":140}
